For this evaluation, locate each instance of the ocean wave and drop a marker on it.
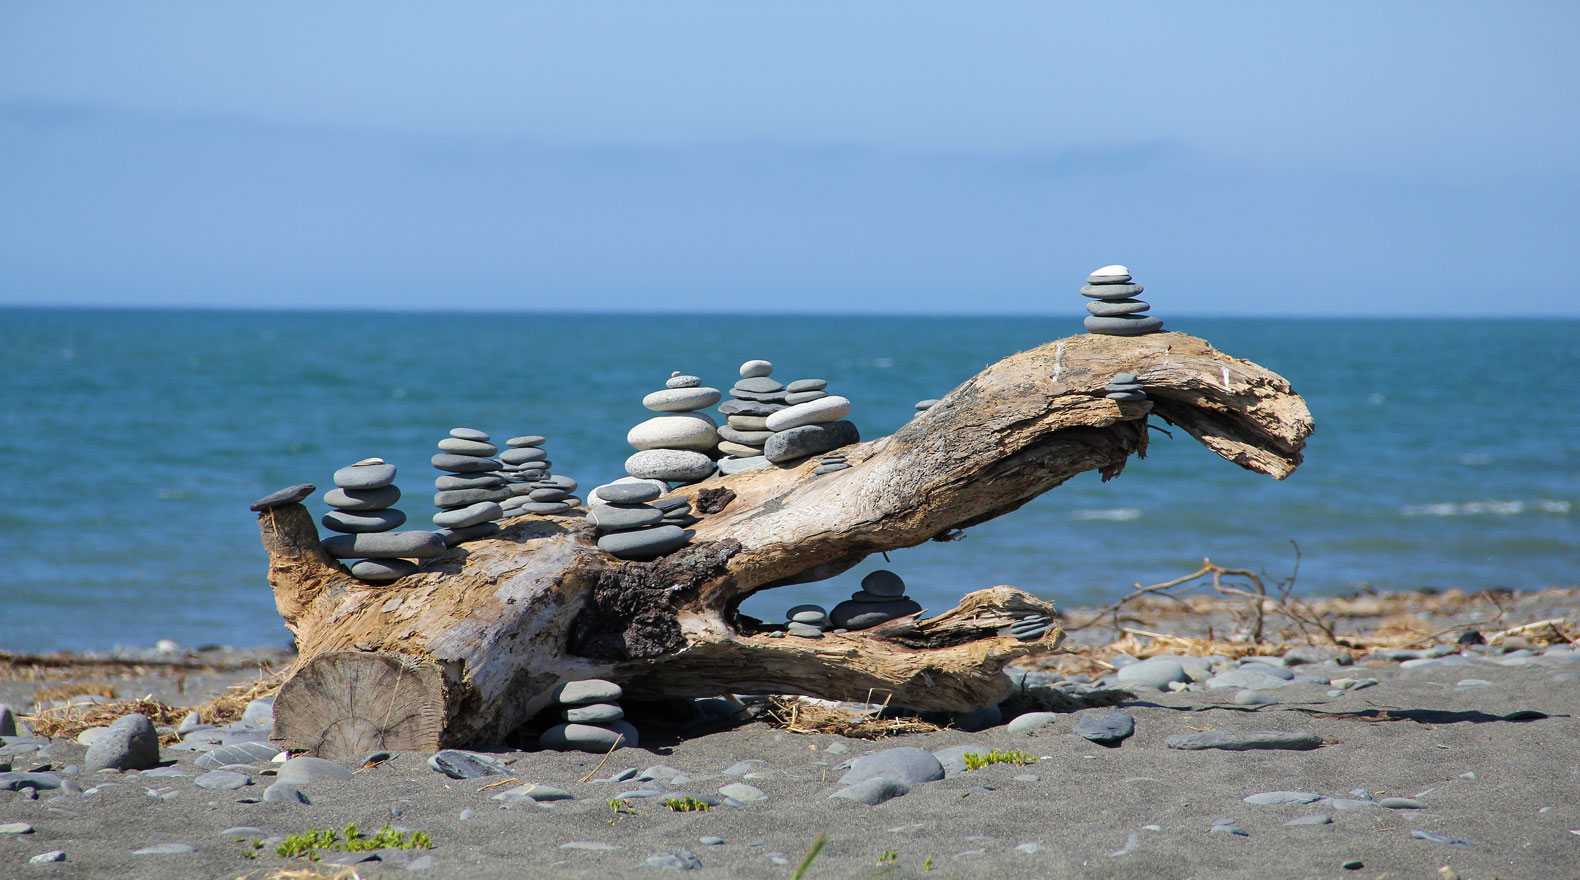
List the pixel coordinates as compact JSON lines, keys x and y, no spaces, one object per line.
{"x":1113,"y":514}
{"x":1487,"y":508}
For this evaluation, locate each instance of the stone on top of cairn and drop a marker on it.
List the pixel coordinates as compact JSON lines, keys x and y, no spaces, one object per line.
{"x":362,"y":499}
{"x":1116,"y":311}
{"x":881,"y":599}
{"x":1124,"y":386}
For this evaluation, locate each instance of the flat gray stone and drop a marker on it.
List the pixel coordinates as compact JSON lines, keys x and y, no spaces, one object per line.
{"x":285,"y":792}
{"x":1301,"y":654}
{"x":464,"y":464}
{"x":385,"y":545}
{"x":801,"y":385}
{"x":1245,"y":677}
{"x":645,"y":543}
{"x":457,"y":764}
{"x":593,"y":713}
{"x":740,"y":450}
{"x":750,"y":408}
{"x":682,"y":399}
{"x":1105,"y":728}
{"x":753,"y":439}
{"x":757,"y":385}
{"x":748,"y":423}
{"x":586,"y":692}
{"x":282,"y":497}
{"x":352,"y":522}
{"x":16,"y":780}
{"x":754,"y":368}
{"x":800,"y":397}
{"x":365,"y":476}
{"x":678,"y":859}
{"x":470,"y":515}
{"x":460,"y":446}
{"x":1253,"y":698}
{"x":222,"y":780}
{"x":742,"y":792}
{"x":362,"y":499}
{"x":1031,"y":721}
{"x":679,"y":380}
{"x":259,"y":713}
{"x":594,"y":738}
{"x":449,"y":482}
{"x":804,"y":630}
{"x":380,"y":571}
{"x":1400,"y":803}
{"x":924,"y":405}
{"x":1123,"y":325}
{"x":670,"y":465}
{"x":815,"y":616}
{"x":1108,"y":308}
{"x":533,"y":792}
{"x":45,"y":858}
{"x":526,"y":441}
{"x":623,"y":517}
{"x":812,"y":412}
{"x":307,"y":769}
{"x":1418,"y":834}
{"x":908,"y":764}
{"x":854,"y":615}
{"x":523,"y":455}
{"x":728,"y":466}
{"x":237,"y":753}
{"x":1279,"y":798}
{"x":1228,"y":826}
{"x":800,"y":442}
{"x":165,"y":849}
{"x":1240,"y":741}
{"x":873,"y":791}
{"x":455,"y":499}
{"x":1159,"y":672}
{"x":629,"y":493}
{"x":1111,"y":291}
{"x":828,"y":468}
{"x":1115,"y":278}
{"x":470,"y":434}
{"x":1311,"y":819}
{"x":15,"y":828}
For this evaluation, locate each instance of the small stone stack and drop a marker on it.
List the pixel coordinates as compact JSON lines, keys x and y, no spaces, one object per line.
{"x":881,"y":599}
{"x":924,"y":405}
{"x":533,"y":489}
{"x":469,"y":493}
{"x":594,"y":722}
{"x":675,"y":445}
{"x":362,"y":499}
{"x":809,"y":425}
{"x":752,"y":400}
{"x":829,"y":464}
{"x":807,"y":621}
{"x":1124,"y":386}
{"x":630,"y":527}
{"x":1117,"y":312}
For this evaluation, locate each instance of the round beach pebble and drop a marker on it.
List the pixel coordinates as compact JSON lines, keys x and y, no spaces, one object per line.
{"x":1123,"y":325}
{"x":682,"y":399}
{"x":471,"y":515}
{"x":884,"y":583}
{"x":593,"y":713}
{"x":634,"y":492}
{"x":813,"y":412}
{"x":677,"y":380}
{"x":670,"y":465}
{"x":586,"y":692}
{"x":753,"y":369}
{"x":526,"y":441}
{"x":351,"y":522}
{"x":801,"y":385}
{"x":593,"y":738}
{"x":622,"y":517}
{"x":687,"y":430}
{"x":470,"y":434}
{"x":380,"y":570}
{"x":362,"y":499}
{"x":366,"y":476}
{"x":467,"y":447}
{"x":644,"y":543}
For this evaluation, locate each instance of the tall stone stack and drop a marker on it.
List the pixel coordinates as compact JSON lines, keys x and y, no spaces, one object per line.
{"x":1116,"y":311}
{"x":366,"y":520}
{"x":752,"y":400}
{"x":630,"y":526}
{"x":881,"y":599}
{"x":674,"y":446}
{"x":811,"y":423}
{"x":469,"y":492}
{"x":533,"y":488}
{"x":594,"y":722}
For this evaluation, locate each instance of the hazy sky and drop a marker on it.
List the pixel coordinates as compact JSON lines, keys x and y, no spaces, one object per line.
{"x":1242,"y":158}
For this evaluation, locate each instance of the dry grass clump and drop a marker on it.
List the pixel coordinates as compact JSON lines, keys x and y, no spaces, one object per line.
{"x":69,"y":721}
{"x":72,"y":689}
{"x":802,"y":715}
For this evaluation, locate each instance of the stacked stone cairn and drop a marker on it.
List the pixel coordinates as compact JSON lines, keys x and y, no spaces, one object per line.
{"x":674,"y":446}
{"x":1116,"y":311}
{"x":469,"y":492}
{"x":631,"y":522}
{"x":533,"y":489}
{"x":752,"y":400}
{"x":830,"y":463}
{"x":1124,"y":386}
{"x":363,"y":514}
{"x":881,"y":599}
{"x":808,"y":422}
{"x":807,"y":621}
{"x":594,"y":722}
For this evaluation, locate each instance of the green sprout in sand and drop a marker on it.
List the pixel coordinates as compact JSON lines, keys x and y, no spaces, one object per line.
{"x":687,"y":804}
{"x":974,"y":761}
{"x":308,"y":843}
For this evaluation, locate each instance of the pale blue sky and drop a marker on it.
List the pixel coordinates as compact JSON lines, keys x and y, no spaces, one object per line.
{"x":1242,"y":158}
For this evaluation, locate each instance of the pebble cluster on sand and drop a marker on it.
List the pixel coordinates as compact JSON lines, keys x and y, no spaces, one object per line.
{"x":362,"y":514}
{"x":534,"y":489}
{"x":469,"y":492}
{"x":1124,"y":386}
{"x":632,"y":522}
{"x":594,"y":721}
{"x":1116,"y":311}
{"x":806,"y":621}
{"x":881,"y":599}
{"x":674,"y":445}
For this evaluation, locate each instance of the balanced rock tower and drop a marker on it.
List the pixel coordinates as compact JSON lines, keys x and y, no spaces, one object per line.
{"x":674,"y":446}
{"x":469,"y":492}
{"x":1124,"y":386}
{"x":594,"y":722}
{"x":881,"y":599}
{"x":811,"y":423}
{"x":363,"y":514}
{"x":806,"y":621}
{"x":533,"y":488}
{"x":1117,"y":312}
{"x":629,"y":525}
{"x":752,"y":400}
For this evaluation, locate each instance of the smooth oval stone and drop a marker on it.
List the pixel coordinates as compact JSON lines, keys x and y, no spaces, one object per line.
{"x":679,"y":431}
{"x":1240,"y":741}
{"x":817,"y":617}
{"x":749,"y":408}
{"x":1111,"y":291}
{"x":383,"y":570}
{"x":813,"y":412}
{"x":744,"y":438}
{"x":470,"y":434}
{"x":586,"y":692}
{"x":739,"y":450}
{"x":1158,"y":672}
{"x":385,"y":545}
{"x":1105,"y":728}
{"x":1108,"y":308}
{"x":1123,"y":379}
{"x":804,"y":397}
{"x":368,"y":476}
{"x":362,"y":499}
{"x":670,"y":465}
{"x":1281,"y":798}
{"x":621,"y":517}
{"x":729,"y":466}
{"x":464,"y":464}
{"x":368,"y":521}
{"x":800,"y":385}
{"x":678,"y":381}
{"x":523,"y":455}
{"x":908,"y":764}
{"x":754,"y":369}
{"x":1030,"y":721}
{"x":748,"y":423}
{"x":237,"y":753}
{"x":471,"y":515}
{"x":451,"y":499}
{"x":597,"y":739}
{"x":628,"y":493}
{"x":683,"y":399}
{"x":801,"y":609}
{"x":804,"y":630}
{"x":453,"y":537}
{"x":308,"y":769}
{"x":467,"y":447}
{"x":457,"y":764}
{"x":864,"y":615}
{"x":532,"y":793}
{"x":927,"y":404}
{"x":806,"y":440}
{"x":593,"y":713}
{"x":670,"y":505}
{"x":644,"y":543}
{"x":282,"y":497}
{"x":526,"y":441}
{"x":739,"y":395}
{"x":543,"y":508}
{"x":1245,"y":677}
{"x":466,"y":481}
{"x":543,"y":495}
{"x":222,"y":780}
{"x":1124,"y":387}
{"x":884,"y":583}
{"x":873,"y":791}
{"x":1123,"y":325}
{"x":830,"y":468}
{"x":757,"y":385}
{"x":1126,"y":395}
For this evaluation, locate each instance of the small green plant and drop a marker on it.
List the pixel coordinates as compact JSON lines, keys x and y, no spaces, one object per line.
{"x":976,"y":761}
{"x":811,"y":856}
{"x":308,"y":843}
{"x":621,"y":807}
{"x":687,"y":804}
{"x":888,"y":857}
{"x":927,"y":863}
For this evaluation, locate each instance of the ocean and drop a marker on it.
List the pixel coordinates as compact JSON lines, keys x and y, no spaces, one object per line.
{"x":1447,"y":452}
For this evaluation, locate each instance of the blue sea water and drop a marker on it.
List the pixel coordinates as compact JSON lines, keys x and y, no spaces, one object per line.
{"x":1447,"y":452}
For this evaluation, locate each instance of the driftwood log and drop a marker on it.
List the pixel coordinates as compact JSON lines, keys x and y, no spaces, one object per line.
{"x":468,"y":649}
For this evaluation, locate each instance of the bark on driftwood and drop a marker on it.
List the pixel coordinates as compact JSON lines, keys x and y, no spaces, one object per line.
{"x":469,"y":648}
